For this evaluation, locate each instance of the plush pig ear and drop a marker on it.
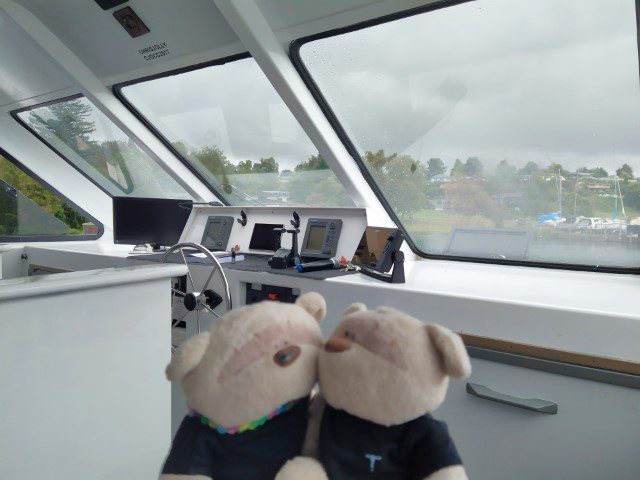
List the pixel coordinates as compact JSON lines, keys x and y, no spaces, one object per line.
{"x":313,"y":303}
{"x":187,"y":357}
{"x":353,"y":308}
{"x":453,"y":354}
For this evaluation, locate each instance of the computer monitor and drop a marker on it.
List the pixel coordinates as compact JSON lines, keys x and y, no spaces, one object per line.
{"x":265,"y":236}
{"x":158,"y":221}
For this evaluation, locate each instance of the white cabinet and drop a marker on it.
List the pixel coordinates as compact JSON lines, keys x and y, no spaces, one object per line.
{"x":595,"y":434}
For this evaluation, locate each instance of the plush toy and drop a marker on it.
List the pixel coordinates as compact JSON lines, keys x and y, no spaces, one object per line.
{"x":247,"y":383}
{"x":381,"y":373}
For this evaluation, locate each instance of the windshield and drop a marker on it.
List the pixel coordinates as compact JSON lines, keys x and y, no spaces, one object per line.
{"x":92,"y":143}
{"x":228,"y":122}
{"x":494,"y":128}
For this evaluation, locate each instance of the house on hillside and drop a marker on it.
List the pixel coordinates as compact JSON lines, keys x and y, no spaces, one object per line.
{"x":441,"y":179}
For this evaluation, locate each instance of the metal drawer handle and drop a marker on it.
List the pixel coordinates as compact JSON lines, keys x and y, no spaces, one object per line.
{"x":533,"y":404}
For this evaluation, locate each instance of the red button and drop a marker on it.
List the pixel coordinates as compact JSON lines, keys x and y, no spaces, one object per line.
{"x":272,"y":296}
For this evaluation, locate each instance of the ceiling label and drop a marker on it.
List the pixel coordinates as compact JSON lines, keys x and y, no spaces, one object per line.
{"x":154,"y":51}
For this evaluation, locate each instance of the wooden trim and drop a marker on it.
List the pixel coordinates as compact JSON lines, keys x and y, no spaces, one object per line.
{"x":552,"y":354}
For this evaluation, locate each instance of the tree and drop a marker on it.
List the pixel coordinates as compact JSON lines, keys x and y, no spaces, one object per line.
{"x":70,"y":216}
{"x":181,"y":148}
{"x":469,"y":198}
{"x":473,"y":167}
{"x":625,"y":173}
{"x":378,"y":160}
{"x":314,"y":162}
{"x":435,"y":166}
{"x":529,"y":169}
{"x":317,"y":187}
{"x":505,"y":179}
{"x":69,"y":121}
{"x":402,"y":179}
{"x":16,"y":180}
{"x":599,"y":172}
{"x":505,"y":169}
{"x":245,"y":166}
{"x":266,"y":165}
{"x":216,"y":163}
{"x":555,"y":168}
{"x":631,"y":192}
{"x":457,"y":169}
{"x":214,"y":160}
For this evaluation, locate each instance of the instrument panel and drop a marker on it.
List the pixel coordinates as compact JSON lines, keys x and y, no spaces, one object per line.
{"x":328,"y":232}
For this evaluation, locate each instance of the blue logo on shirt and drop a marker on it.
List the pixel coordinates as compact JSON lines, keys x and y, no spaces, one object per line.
{"x":372,"y":461}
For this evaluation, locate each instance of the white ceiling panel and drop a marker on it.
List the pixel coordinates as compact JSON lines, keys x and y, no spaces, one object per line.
{"x":186,"y":27}
{"x":25,"y":71}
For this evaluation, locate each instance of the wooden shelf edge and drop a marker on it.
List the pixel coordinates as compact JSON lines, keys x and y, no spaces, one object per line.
{"x":552,"y":354}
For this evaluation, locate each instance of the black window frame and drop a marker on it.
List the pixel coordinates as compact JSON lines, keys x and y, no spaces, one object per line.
{"x":50,"y":238}
{"x":296,"y":59}
{"x":117,"y":91}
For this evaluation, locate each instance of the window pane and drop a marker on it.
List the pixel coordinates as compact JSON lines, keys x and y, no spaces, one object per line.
{"x":29,"y":208}
{"x":94,"y":144}
{"x":499,"y":128}
{"x":231,"y":125}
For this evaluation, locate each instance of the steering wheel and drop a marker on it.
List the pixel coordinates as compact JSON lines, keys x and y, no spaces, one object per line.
{"x":201,"y":299}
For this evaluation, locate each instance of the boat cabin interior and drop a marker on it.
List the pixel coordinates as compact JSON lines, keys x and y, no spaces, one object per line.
{"x":176,"y":175}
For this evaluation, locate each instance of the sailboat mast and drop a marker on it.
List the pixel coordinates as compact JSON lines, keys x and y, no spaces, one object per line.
{"x":624,"y":214}
{"x":559,"y":188}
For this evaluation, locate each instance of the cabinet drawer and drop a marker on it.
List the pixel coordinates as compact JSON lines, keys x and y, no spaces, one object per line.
{"x":595,"y":433}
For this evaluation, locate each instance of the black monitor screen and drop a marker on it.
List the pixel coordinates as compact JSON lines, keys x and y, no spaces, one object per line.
{"x":158,"y":221}
{"x":212,"y":233}
{"x":264,"y":237}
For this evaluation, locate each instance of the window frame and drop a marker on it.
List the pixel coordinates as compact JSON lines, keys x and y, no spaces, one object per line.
{"x":50,"y":238}
{"x":15,"y":114}
{"x":117,"y":91}
{"x":316,"y":92}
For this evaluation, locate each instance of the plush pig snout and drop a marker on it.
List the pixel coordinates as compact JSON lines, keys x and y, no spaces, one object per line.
{"x":287,"y":355}
{"x":337,"y":345}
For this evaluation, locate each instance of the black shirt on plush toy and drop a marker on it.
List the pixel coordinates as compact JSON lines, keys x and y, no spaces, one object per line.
{"x":254,"y":451}
{"x":247,"y":382}
{"x":381,"y":374}
{"x":354,"y":449}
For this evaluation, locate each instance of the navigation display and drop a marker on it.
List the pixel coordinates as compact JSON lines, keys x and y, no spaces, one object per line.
{"x":316,"y":237}
{"x":212,"y":233}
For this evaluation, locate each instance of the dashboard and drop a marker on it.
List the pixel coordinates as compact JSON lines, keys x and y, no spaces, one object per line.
{"x":324,"y":232}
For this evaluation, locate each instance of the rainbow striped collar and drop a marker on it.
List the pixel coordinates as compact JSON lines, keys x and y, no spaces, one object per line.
{"x":247,"y":426}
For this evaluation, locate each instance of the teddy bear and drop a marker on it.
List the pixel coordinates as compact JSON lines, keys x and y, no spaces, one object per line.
{"x":247,"y":382}
{"x":381,"y":374}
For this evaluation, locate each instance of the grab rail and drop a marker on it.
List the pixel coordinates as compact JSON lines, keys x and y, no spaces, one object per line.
{"x":533,"y":404}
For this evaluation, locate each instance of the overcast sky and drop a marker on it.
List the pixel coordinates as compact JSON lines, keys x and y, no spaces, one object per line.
{"x":522,"y":80}
{"x":231,"y":106}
